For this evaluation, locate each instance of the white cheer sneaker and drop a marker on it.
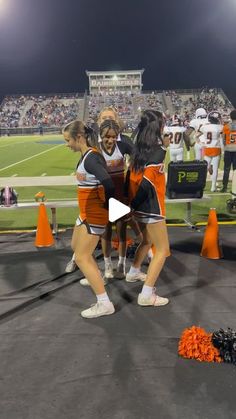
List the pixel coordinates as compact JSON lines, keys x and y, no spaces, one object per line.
{"x":138,"y":276}
{"x":153,"y":300}
{"x":109,"y":271}
{"x":71,"y":266}
{"x":99,"y":309}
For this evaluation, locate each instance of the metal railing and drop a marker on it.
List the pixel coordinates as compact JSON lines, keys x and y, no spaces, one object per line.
{"x":29,"y":131}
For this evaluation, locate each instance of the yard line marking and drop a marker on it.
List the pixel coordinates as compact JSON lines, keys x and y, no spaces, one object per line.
{"x":29,"y":158}
{"x":72,"y":174}
{"x":10,"y":145}
{"x":16,"y":174}
{"x":43,"y":174}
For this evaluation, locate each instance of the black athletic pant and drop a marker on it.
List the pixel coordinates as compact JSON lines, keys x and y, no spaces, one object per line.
{"x":229,"y":159}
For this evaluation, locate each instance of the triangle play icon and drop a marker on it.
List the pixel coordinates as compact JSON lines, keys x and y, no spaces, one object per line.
{"x":116,"y":209}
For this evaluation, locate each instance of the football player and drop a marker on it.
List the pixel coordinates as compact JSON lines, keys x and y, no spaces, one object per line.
{"x":210,"y":135}
{"x":176,"y":133}
{"x":192,"y":131}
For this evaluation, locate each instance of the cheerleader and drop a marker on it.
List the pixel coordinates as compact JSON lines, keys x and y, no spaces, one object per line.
{"x":95,"y":187}
{"x":147,"y":200}
{"x":113,"y":152}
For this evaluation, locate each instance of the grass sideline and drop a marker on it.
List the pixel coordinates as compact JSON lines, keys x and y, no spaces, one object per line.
{"x":47,"y":156}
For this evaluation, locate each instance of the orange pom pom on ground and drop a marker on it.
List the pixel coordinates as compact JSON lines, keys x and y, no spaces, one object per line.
{"x":196,"y":343}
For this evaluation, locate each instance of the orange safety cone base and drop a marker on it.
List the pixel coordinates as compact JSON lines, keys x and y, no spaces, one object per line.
{"x":44,"y":237}
{"x":210,"y":257}
{"x":210,"y":247}
{"x":44,"y":245}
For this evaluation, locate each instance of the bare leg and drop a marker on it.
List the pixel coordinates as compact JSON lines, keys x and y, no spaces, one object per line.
{"x":135,"y":273}
{"x":159,"y":237}
{"x":84,"y":245}
{"x":121,"y":233}
{"x":106,"y":241}
{"x":143,"y":247}
{"x":136,"y":229}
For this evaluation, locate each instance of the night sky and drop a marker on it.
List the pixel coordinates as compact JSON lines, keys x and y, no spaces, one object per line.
{"x":46,"y":45}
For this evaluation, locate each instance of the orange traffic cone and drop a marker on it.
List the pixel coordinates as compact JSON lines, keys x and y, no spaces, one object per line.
{"x":210,"y":246}
{"x":44,"y":237}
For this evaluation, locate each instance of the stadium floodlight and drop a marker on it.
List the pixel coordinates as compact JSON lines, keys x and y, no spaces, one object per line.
{"x":3,"y":4}
{"x":114,"y":77}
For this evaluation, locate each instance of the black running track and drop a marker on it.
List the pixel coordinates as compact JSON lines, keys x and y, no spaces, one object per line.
{"x":57,"y":365}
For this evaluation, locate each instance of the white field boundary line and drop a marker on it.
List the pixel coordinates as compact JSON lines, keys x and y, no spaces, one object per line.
{"x":10,"y":145}
{"x":27,"y":140}
{"x":31,"y":157}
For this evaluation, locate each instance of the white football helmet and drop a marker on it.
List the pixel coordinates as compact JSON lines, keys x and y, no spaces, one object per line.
{"x":200,"y":113}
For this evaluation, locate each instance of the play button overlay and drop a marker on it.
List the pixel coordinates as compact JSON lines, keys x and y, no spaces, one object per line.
{"x":116,"y":209}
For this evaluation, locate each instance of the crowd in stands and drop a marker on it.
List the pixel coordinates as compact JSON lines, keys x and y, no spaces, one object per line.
{"x":57,"y":110}
{"x":128,"y":105}
{"x":185,"y":104}
{"x":121,"y":101}
{"x":10,"y":111}
{"x":34,"y":111}
{"x":51,"y":112}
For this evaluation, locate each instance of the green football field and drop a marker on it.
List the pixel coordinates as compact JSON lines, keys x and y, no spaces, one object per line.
{"x":48,"y":156}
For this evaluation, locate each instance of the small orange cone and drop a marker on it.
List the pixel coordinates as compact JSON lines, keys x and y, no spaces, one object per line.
{"x":44,"y":237}
{"x":210,"y":246}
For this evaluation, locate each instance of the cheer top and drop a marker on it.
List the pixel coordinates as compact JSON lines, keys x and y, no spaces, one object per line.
{"x":95,"y":187}
{"x":147,"y":189}
{"x":116,"y":165}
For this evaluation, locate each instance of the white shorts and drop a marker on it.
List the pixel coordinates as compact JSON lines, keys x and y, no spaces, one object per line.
{"x":97,"y":230}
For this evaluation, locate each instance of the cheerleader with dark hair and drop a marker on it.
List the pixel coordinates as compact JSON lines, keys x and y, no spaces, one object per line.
{"x":147,"y":200}
{"x":95,"y":187}
{"x":113,"y":152}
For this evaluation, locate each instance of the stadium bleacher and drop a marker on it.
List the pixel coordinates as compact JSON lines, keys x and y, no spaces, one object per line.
{"x":27,"y":113}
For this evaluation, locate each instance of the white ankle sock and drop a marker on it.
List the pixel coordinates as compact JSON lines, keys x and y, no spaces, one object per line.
{"x":121,"y":260}
{"x":107,"y":260}
{"x":147,"y":291}
{"x":134,"y":270}
{"x":103,"y":298}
